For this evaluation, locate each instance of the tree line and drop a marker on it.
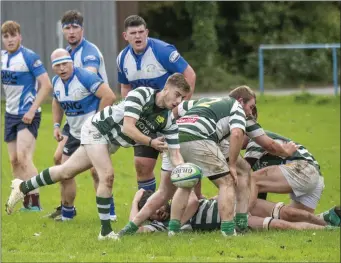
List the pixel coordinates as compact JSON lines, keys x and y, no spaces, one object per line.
{"x":221,"y":39}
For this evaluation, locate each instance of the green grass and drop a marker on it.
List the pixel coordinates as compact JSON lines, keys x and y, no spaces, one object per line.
{"x":313,"y":121}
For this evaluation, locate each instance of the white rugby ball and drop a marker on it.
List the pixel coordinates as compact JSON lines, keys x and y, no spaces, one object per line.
{"x":186,"y":175}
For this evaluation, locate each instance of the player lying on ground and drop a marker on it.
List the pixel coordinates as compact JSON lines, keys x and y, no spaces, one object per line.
{"x":203,"y":215}
{"x":144,"y":111}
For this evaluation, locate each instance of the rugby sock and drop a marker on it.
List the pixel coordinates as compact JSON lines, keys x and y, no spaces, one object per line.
{"x":174,"y":225}
{"x":68,"y":212}
{"x":129,"y":229}
{"x":103,"y":206}
{"x":147,"y":185}
{"x":37,"y":181}
{"x":112,"y":206}
{"x":241,"y":221}
{"x":227,"y":227}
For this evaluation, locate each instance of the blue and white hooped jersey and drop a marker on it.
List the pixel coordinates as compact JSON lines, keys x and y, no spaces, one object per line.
{"x":19,"y":72}
{"x":152,"y":68}
{"x":88,"y":54}
{"x":77,"y":97}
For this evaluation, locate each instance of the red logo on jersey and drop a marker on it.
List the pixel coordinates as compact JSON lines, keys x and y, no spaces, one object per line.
{"x":191,"y":119}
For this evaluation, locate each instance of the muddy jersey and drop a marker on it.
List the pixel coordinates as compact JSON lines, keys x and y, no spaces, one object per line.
{"x":140,"y":105}
{"x":211,"y":119}
{"x":264,"y":159}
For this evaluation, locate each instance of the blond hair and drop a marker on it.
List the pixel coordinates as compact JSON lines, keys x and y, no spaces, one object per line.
{"x":178,"y":80}
{"x":10,"y":27}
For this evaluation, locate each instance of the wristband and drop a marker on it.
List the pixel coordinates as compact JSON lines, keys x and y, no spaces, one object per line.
{"x":56,"y":125}
{"x":150,"y":142}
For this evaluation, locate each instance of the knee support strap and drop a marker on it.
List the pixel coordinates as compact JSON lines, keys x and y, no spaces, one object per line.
{"x":267,"y":222}
{"x":276,"y":210}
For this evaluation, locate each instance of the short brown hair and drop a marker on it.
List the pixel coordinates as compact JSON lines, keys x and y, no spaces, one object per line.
{"x":72,"y":16}
{"x":10,"y":27}
{"x":243,"y":92}
{"x":178,"y":80}
{"x":133,"y":21}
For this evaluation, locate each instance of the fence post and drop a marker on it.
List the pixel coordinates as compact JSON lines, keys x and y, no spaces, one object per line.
{"x":261,"y":69}
{"x":335,"y":71}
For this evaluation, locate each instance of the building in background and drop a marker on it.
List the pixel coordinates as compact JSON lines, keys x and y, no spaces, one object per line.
{"x":103,"y":25}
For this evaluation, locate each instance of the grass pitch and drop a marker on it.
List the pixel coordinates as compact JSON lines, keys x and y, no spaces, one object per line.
{"x":313,"y":121}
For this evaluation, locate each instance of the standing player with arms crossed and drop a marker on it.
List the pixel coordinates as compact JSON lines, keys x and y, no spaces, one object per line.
{"x":21,"y":72}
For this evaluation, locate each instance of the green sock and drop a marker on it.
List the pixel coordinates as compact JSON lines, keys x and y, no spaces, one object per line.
{"x":174,"y":225}
{"x":103,"y":207}
{"x":44,"y":178}
{"x":241,"y":221}
{"x":228,"y":227}
{"x":129,"y":229}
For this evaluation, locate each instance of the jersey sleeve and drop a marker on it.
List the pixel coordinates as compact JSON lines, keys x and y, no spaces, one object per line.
{"x":34,"y":63}
{"x":119,"y":61}
{"x":171,"y":132}
{"x":91,"y":57}
{"x":253,"y":150}
{"x":237,"y":117}
{"x":253,"y":128}
{"x":135,"y":101}
{"x":90,"y":80}
{"x":171,"y":59}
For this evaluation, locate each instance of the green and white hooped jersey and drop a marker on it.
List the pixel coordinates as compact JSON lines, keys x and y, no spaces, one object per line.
{"x":252,"y":129}
{"x":139,"y":104}
{"x":264,"y":159}
{"x":210,"y":119}
{"x":206,"y":218}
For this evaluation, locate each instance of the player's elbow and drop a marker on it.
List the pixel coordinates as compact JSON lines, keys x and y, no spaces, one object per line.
{"x":237,"y":133}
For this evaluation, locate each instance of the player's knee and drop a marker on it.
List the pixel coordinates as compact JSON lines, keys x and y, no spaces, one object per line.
{"x":94,"y":175}
{"x":108,"y":180}
{"x":144,"y":169}
{"x":14,"y":161}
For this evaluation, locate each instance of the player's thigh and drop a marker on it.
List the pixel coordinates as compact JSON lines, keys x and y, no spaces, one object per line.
{"x":100,"y":159}
{"x":207,"y":155}
{"x":271,"y":179}
{"x":25,"y":144}
{"x":77,"y":163}
{"x":145,"y":158}
{"x":243,"y":167}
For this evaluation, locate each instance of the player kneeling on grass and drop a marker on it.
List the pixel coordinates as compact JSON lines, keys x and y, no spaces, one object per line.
{"x":144,"y":111}
{"x":203,"y":215}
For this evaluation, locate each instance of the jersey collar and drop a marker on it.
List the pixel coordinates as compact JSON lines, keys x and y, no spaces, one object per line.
{"x":73,"y":52}
{"x":139,"y":55}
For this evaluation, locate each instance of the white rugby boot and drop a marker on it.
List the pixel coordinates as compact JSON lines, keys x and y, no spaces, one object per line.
{"x":111,"y":235}
{"x":15,"y":196}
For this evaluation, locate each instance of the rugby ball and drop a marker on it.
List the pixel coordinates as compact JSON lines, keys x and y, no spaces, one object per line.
{"x":186,"y":175}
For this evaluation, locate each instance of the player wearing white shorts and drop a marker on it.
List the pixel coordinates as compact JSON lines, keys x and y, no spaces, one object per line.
{"x":298,"y":175}
{"x":143,"y":112}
